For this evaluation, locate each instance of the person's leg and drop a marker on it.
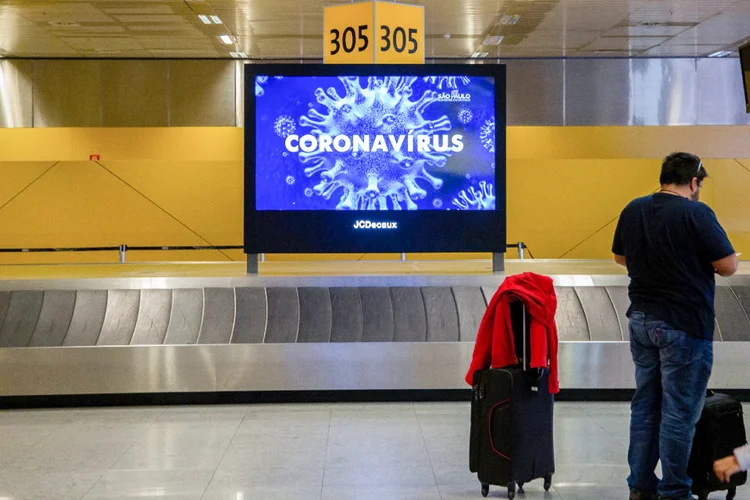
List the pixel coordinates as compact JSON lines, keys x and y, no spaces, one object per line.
{"x":645,"y":411}
{"x":686,"y":367}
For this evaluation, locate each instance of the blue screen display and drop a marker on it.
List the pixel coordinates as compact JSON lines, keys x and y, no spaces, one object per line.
{"x":375,"y":143}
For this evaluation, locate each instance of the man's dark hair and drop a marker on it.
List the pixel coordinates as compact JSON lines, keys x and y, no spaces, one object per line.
{"x":680,"y":168}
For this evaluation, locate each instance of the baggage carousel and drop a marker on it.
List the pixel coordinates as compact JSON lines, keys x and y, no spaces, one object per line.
{"x":298,"y":327}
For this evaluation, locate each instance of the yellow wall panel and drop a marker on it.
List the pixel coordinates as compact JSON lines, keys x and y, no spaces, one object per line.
{"x":15,"y":176}
{"x":80,"y":204}
{"x":183,"y":186}
{"x":205,"y":196}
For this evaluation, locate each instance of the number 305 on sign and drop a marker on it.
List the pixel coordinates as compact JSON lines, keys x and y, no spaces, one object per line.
{"x":376,"y":32}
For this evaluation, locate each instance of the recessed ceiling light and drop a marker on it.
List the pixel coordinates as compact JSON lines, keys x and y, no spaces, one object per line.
{"x":226,"y":40}
{"x":216,"y":20}
{"x":238,"y":55}
{"x":508,"y":19}
{"x":721,"y":53}
{"x":493,"y":40}
{"x":447,"y":36}
{"x":204,"y":19}
{"x":64,"y":24}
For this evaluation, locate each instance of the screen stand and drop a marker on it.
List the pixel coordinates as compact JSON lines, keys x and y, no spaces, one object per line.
{"x":498,"y":262}
{"x":252,"y":263}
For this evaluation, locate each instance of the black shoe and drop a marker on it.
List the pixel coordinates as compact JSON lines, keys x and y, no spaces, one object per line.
{"x":640,"y":495}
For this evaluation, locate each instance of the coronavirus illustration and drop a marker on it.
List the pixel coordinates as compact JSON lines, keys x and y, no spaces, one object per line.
{"x":284,"y":126}
{"x":449,"y":82}
{"x":487,"y":135}
{"x":465,"y":116}
{"x":476,"y":199}
{"x":374,"y":144}
{"x":260,"y":80}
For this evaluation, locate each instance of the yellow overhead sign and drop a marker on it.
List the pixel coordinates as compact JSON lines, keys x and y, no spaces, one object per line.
{"x":373,"y":32}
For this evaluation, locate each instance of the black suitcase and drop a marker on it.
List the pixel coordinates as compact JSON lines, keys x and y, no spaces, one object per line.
{"x":511,"y":439}
{"x":719,"y":431}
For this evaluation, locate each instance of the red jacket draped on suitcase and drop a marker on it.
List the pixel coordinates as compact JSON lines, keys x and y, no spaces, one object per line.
{"x":495,"y":346}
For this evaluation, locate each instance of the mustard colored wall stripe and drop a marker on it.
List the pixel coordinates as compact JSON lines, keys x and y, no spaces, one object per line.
{"x":184,"y":186}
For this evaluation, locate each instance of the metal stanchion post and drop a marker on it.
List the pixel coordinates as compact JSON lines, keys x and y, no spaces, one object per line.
{"x":403,"y":257}
{"x":521,"y":247}
{"x":123,"y":249}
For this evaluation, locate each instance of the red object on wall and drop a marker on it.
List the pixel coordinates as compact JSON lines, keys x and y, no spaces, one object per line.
{"x":94,"y":158}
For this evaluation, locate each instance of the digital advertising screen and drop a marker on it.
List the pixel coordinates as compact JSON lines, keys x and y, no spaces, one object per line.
{"x":374,"y":158}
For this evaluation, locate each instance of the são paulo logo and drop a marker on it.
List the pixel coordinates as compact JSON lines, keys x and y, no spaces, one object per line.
{"x":380,"y":143}
{"x":454,"y":96}
{"x":367,"y":224}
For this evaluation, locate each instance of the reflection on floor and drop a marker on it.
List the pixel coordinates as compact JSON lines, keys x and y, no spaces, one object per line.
{"x":315,"y":451}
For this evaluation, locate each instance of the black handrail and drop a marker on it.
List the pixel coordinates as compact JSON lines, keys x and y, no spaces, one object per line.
{"x":521,"y":246}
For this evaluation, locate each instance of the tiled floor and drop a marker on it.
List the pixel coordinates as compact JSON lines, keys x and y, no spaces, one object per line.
{"x":322,"y":452}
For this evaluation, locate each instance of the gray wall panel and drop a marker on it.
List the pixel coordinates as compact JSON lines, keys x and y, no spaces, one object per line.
{"x":535,"y":91}
{"x":16,"y":91}
{"x":134,"y":93}
{"x":601,"y":317}
{"x":377,"y":314}
{"x":471,"y":308}
{"x":153,"y":317}
{"x":410,"y":324}
{"x":120,"y":318}
{"x":442,"y":316}
{"x":88,"y":318}
{"x":21,"y":318}
{"x":67,"y":93}
{"x":571,"y":322}
{"x":346,"y":313}
{"x":186,"y":316}
{"x":218,"y":316}
{"x":251,"y":315}
{"x":202,"y":93}
{"x":720,"y":93}
{"x":54,"y":319}
{"x":597,"y":91}
{"x":619,"y":296}
{"x":743,"y":296}
{"x":283,"y":315}
{"x":315,"y":316}
{"x":662,"y":91}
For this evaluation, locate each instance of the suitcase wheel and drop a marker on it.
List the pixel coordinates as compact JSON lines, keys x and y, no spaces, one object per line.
{"x":485,"y":490}
{"x":547,"y":482}
{"x":703,"y":495}
{"x":511,"y":491}
{"x":731,"y":493}
{"x":520,"y":488}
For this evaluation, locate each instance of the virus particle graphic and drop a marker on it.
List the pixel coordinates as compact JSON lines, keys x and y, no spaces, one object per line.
{"x":468,"y":176}
{"x":450,"y":82}
{"x":487,"y":135}
{"x":465,"y":116}
{"x":493,"y":165}
{"x":261,"y":80}
{"x":381,"y":179}
{"x":437,"y":203}
{"x":308,"y":192}
{"x":289,"y":180}
{"x":284,"y":126}
{"x":476,"y":199}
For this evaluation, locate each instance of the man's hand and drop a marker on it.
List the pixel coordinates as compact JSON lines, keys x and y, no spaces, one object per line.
{"x":726,"y":468}
{"x":620,"y":259}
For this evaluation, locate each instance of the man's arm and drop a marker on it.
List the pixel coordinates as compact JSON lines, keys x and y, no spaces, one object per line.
{"x":726,"y":266}
{"x":716,"y":245}
{"x":620,"y":259}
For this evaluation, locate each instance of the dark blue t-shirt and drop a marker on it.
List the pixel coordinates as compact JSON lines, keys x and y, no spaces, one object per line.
{"x":669,"y":243}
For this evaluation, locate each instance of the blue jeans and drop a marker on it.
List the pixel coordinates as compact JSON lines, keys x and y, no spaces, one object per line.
{"x":672,"y":370}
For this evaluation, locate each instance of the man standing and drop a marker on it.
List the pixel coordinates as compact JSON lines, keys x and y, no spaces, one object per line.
{"x":671,"y":245}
